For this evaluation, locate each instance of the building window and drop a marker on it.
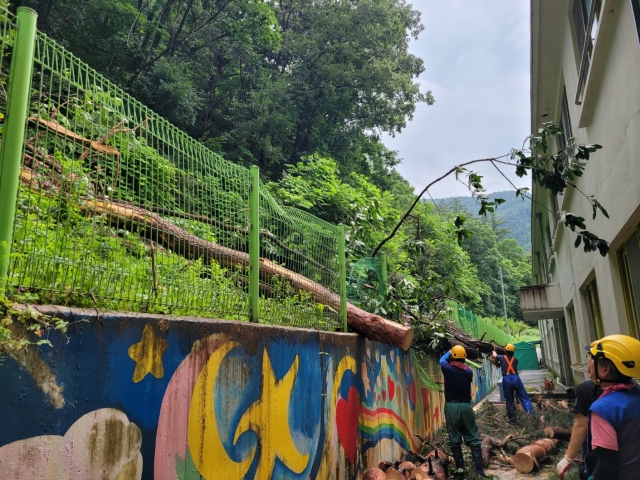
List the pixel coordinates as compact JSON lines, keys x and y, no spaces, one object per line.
{"x":635,"y":4}
{"x":593,"y":310}
{"x":629,"y":261}
{"x":586,"y":17}
{"x":556,"y":208}
{"x":571,"y":314}
{"x":565,"y":122}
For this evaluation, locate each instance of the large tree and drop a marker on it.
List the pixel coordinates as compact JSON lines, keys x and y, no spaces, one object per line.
{"x":264,"y":83}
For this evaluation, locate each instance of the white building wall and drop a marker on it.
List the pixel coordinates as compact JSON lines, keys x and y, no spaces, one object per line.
{"x":610,"y":116}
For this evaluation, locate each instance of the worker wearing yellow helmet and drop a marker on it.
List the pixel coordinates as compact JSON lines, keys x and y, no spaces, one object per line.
{"x":614,"y":418}
{"x":458,"y":411}
{"x":511,"y":383}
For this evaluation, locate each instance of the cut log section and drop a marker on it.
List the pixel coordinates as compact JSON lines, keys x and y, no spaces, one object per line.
{"x":374,"y":474}
{"x":559,"y":433}
{"x":393,"y":474}
{"x":529,"y":457}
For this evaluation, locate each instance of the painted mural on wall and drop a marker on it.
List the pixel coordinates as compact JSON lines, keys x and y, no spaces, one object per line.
{"x":147,"y":398}
{"x":484,"y":381}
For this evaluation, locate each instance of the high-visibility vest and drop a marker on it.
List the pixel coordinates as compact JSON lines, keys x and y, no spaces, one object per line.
{"x":510,"y":368}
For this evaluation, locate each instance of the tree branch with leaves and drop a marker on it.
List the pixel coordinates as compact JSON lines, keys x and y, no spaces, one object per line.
{"x":555,"y":172}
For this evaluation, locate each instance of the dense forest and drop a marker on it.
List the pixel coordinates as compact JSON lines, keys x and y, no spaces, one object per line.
{"x":304,"y":90}
{"x":515,"y":214}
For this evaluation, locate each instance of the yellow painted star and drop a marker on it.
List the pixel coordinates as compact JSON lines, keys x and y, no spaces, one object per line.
{"x":269,"y":418}
{"x":147,"y":354}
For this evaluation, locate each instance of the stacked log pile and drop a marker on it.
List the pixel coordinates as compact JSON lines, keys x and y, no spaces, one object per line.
{"x":433,"y":466}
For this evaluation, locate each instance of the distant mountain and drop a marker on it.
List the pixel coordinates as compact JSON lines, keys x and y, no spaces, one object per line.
{"x":516,"y":213}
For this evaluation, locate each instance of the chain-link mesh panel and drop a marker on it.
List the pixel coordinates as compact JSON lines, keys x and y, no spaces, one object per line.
{"x":119,"y":209}
{"x":307,"y":246}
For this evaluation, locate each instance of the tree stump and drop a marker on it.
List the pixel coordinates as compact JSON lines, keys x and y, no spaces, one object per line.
{"x":529,"y":457}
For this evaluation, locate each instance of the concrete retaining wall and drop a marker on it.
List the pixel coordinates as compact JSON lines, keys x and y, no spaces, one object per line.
{"x":145,"y":396}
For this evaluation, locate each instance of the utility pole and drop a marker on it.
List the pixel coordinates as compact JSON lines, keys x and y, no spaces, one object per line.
{"x":504,"y":301}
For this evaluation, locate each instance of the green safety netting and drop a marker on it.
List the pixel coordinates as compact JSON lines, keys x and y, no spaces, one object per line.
{"x":476,"y":326}
{"x":366,"y":284}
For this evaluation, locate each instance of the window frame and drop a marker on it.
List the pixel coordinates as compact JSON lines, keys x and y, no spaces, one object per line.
{"x":590,"y":23}
{"x":630,"y":284}
{"x":635,"y":6}
{"x":594,"y":312}
{"x":571,"y":317}
{"x":627,"y":292}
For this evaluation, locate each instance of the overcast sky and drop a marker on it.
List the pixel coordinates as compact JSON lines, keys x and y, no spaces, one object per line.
{"x":476,"y":56}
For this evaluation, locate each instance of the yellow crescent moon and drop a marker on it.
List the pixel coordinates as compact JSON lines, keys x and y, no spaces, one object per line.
{"x":207,"y":451}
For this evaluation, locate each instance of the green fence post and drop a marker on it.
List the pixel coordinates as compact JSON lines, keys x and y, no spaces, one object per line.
{"x":254,"y":244}
{"x":20,"y":77}
{"x":343,"y":277}
{"x":383,"y":272}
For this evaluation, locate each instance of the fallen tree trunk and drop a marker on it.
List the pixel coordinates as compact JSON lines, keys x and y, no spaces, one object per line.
{"x":159,"y":230}
{"x":529,"y":457}
{"x":559,"y":433}
{"x":469,"y":342}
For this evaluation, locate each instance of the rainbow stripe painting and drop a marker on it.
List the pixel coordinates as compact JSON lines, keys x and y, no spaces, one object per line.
{"x":384,"y":423}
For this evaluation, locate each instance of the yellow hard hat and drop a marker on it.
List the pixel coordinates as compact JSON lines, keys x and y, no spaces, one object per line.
{"x":458,"y":352}
{"x":510,"y":347}
{"x":622,"y":350}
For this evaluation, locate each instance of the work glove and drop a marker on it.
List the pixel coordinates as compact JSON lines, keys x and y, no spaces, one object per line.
{"x":563,"y":467}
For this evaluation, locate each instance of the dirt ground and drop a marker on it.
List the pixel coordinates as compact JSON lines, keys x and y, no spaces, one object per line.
{"x":492,"y":421}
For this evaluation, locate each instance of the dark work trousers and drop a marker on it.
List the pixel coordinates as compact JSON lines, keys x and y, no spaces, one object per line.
{"x":512,"y":386}
{"x":461,"y":424}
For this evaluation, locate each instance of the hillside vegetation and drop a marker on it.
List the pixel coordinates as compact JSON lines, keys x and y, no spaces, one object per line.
{"x":303,"y":90}
{"x":515,"y":215}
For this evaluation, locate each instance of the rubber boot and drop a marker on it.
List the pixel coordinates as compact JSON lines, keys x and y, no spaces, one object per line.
{"x":459,"y":459}
{"x":476,"y":452}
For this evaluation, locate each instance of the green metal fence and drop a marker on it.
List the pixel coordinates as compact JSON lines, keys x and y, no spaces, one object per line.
{"x":477,"y":327}
{"x":117,"y":208}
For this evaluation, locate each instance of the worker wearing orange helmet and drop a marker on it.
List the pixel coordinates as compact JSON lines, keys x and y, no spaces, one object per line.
{"x":511,"y":382}
{"x":614,"y":418}
{"x":458,"y":410}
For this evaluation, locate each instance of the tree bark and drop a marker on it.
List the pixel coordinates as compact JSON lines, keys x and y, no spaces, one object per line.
{"x":529,"y":457}
{"x":487,"y":450}
{"x":435,"y":468}
{"x":559,"y":433}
